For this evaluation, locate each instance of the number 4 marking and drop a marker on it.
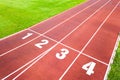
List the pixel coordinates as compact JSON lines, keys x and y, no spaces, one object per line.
{"x":89,"y":67}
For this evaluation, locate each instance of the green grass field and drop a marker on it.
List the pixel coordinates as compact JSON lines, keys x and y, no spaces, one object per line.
{"x":115,"y":67}
{"x":16,"y":15}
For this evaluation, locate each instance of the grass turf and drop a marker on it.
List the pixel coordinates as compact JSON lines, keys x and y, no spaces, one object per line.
{"x":16,"y":15}
{"x":115,"y":67}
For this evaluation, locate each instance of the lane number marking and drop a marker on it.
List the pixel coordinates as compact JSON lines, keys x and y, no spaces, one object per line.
{"x":28,"y":35}
{"x":89,"y":67}
{"x":42,"y":43}
{"x":62,"y":54}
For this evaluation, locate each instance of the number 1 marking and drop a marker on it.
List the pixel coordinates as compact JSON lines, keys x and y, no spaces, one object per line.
{"x":89,"y":67}
{"x":63,"y":53}
{"x":28,"y":35}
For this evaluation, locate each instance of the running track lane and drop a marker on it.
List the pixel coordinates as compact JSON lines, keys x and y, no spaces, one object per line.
{"x":70,"y":56}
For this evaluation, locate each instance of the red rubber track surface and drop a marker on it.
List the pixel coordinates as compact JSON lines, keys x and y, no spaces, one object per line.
{"x":84,"y":34}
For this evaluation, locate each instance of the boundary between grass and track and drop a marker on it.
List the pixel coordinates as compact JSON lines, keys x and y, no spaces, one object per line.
{"x":112,"y":57}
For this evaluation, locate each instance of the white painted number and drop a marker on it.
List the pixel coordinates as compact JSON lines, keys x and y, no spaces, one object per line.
{"x":43,"y":42}
{"x":62,"y":54}
{"x":28,"y":35}
{"x":89,"y":67}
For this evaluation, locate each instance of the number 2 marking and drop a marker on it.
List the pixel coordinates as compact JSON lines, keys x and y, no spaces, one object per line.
{"x":89,"y":67}
{"x":62,"y":54}
{"x":43,"y":42}
{"x":28,"y":35}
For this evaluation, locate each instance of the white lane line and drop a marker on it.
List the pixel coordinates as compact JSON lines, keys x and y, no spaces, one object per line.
{"x":71,"y":17}
{"x":25,"y":64}
{"x":35,"y":61}
{"x":19,"y":46}
{"x":112,"y":57}
{"x":95,"y":59}
{"x":60,"y":41}
{"x":88,"y":42}
{"x":42,"y":21}
{"x":51,"y":28}
{"x":71,"y":48}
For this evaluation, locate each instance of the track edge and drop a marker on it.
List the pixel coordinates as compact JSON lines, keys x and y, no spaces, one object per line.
{"x":112,"y":57}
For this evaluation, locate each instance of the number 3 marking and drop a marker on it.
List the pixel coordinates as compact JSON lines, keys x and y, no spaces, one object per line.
{"x":43,"y":42}
{"x":89,"y":67}
{"x":62,"y":54}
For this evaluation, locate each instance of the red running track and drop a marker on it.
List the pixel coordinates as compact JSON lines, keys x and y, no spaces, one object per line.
{"x":77,"y":44}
